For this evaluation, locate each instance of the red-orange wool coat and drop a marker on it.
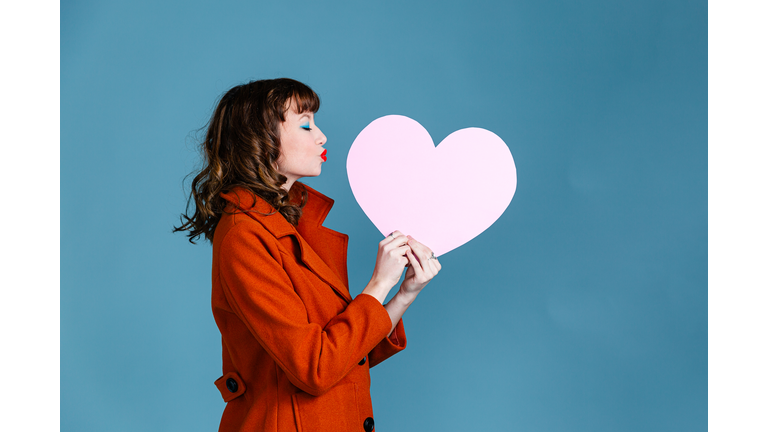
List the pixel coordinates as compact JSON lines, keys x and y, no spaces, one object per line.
{"x":296,"y":347}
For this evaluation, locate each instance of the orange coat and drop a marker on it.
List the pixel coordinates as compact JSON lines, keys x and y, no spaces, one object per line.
{"x":296,"y":347}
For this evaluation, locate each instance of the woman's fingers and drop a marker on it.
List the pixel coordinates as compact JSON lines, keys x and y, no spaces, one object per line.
{"x":401,"y":250}
{"x":429,"y":262}
{"x":396,"y":248}
{"x":391,"y":258}
{"x":394,"y":237}
{"x":415,"y":264}
{"x":422,"y":252}
{"x":437,"y":264}
{"x":400,"y":253}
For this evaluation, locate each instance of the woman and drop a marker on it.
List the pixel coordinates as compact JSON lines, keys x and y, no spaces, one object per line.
{"x":296,"y":347}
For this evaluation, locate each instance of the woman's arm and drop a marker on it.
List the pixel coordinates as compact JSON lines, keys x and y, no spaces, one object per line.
{"x":390,"y":262}
{"x":394,"y":251}
{"x":250,"y":269}
{"x":423,"y":267}
{"x":416,"y":278}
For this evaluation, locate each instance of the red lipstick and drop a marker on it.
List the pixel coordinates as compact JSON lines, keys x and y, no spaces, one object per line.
{"x":323,"y":155}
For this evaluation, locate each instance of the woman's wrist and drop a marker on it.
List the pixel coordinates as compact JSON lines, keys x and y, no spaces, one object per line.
{"x":377,"y":290}
{"x":403,"y":298}
{"x":397,"y":306}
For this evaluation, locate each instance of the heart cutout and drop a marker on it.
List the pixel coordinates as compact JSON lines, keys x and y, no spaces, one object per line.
{"x":442,"y":196}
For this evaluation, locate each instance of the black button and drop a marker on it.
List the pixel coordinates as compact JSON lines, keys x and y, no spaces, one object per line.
{"x":362,"y":362}
{"x":368,"y":424}
{"x":232,"y":385}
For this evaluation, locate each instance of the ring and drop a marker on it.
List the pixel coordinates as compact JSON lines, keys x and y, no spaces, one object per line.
{"x":392,"y":234}
{"x":432,"y":257}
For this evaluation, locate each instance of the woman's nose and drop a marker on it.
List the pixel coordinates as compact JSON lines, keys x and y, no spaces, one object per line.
{"x":321,"y":139}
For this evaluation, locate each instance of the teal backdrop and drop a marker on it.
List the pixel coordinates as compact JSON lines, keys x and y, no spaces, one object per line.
{"x":584,"y":308}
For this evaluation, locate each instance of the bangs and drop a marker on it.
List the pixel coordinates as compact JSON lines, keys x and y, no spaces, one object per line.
{"x":286,"y":92}
{"x":305,"y":99}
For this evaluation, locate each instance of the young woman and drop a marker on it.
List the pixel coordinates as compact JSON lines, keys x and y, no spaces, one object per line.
{"x":296,"y":346}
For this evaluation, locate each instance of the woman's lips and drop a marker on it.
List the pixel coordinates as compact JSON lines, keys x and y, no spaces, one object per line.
{"x":323,"y":155}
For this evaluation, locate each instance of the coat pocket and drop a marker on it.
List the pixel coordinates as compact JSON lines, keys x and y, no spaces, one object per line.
{"x":334,"y":411}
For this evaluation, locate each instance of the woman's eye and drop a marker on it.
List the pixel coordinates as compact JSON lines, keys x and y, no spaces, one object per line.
{"x":305,"y":127}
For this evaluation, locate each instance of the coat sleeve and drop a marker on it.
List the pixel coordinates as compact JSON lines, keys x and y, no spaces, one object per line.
{"x":261,"y":293}
{"x":390,"y":346}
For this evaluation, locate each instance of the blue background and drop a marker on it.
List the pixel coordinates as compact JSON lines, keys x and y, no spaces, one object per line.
{"x":584,"y":308}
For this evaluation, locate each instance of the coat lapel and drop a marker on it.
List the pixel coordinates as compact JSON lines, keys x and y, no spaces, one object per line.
{"x":313,"y":261}
{"x":329,"y":245}
{"x":323,"y":250}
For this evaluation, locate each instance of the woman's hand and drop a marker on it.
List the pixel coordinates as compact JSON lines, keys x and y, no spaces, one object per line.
{"x":423,"y":267}
{"x":390,"y":262}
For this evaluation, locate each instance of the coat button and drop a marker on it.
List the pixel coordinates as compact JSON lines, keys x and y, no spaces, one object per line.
{"x":368,"y":424}
{"x":362,"y":362}
{"x":232,"y":385}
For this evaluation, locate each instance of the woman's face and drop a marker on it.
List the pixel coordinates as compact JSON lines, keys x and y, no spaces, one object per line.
{"x":301,"y":146}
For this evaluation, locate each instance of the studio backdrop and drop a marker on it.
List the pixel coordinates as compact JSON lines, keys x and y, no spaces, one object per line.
{"x":583,"y":308}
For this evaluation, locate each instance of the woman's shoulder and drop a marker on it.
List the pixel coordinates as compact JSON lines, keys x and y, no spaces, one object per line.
{"x":248,"y":215}
{"x":252,"y":224}
{"x":239,"y":236}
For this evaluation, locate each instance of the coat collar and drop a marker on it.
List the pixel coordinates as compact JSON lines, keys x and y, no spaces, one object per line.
{"x":323,"y":250}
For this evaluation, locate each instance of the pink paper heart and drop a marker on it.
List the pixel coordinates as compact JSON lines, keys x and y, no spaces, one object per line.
{"x":442,"y":196}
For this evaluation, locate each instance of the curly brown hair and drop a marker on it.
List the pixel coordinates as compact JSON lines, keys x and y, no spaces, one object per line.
{"x":241,"y":148}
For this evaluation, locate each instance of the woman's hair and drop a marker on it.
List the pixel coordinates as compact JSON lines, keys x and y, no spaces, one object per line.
{"x":241,"y":148}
